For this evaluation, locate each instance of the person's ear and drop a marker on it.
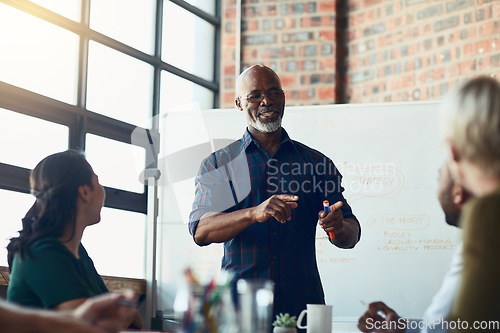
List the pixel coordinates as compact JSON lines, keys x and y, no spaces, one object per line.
{"x":455,"y":156}
{"x":84,"y":192}
{"x":237,"y":102}
{"x":458,"y":194}
{"x":454,"y":162}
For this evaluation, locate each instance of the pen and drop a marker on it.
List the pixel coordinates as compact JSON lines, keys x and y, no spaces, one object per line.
{"x":326,"y":208}
{"x":379,"y":312}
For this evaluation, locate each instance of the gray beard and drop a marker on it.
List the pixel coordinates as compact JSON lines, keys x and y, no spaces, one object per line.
{"x":267,"y":127}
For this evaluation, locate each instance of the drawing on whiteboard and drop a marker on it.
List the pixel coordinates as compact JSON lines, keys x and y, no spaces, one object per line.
{"x":380,"y":180}
{"x":399,"y":221}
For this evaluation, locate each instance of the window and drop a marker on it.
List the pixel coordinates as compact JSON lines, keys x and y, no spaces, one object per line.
{"x":190,"y":48}
{"x":67,"y":8}
{"x":37,"y":55}
{"x":85,"y":74}
{"x":128,"y":21}
{"x":119,"y":86}
{"x":208,"y":6}
{"x":19,"y":203}
{"x":177,"y":92}
{"x":123,"y":258}
{"x":121,"y":171}
{"x":25,"y":145}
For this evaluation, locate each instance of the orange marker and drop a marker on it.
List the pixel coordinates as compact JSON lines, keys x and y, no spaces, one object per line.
{"x":326,"y":208}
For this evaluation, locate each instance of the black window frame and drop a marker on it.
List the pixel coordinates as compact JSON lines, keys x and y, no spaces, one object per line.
{"x":78,"y":118}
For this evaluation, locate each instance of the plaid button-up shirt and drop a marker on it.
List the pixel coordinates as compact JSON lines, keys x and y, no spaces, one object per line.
{"x":243,"y":175}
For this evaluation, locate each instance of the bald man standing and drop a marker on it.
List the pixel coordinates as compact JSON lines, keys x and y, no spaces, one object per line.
{"x":262,"y":196}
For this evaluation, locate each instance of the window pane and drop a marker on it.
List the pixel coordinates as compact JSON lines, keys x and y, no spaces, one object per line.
{"x":117,"y":164}
{"x":190,"y":48}
{"x":67,"y":8}
{"x":117,"y":256}
{"x":119,"y":86}
{"x":38,"y":56}
{"x":205,"y":5}
{"x":27,"y":145}
{"x":12,"y":213}
{"x":176,"y":91}
{"x":131,"y":22}
{"x":111,"y":255}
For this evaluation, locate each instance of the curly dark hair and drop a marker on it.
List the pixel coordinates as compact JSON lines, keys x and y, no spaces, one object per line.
{"x":54,"y":182}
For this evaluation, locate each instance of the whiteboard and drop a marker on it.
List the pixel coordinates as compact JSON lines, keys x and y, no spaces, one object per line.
{"x":389,"y":155}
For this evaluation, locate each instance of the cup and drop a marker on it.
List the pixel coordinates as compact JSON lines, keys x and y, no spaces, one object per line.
{"x":256,"y":305}
{"x":319,"y":318}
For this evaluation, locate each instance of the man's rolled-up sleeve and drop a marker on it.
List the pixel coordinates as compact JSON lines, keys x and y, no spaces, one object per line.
{"x":213,"y":192}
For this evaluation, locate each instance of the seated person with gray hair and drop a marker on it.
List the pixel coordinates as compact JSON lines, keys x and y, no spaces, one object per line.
{"x":471,"y":128}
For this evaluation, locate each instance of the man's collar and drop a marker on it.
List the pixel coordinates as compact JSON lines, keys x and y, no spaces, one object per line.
{"x":248,"y":139}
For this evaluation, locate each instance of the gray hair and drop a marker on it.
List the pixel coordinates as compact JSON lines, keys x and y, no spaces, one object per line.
{"x":471,"y":122}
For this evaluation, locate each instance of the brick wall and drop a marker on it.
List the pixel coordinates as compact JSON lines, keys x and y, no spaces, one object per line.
{"x":228,"y":54}
{"x":398,"y":50}
{"x":418,"y":49}
{"x":295,"y":38}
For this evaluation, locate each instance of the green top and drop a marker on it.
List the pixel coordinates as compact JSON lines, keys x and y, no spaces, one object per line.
{"x":50,"y":275}
{"x":479,"y":295}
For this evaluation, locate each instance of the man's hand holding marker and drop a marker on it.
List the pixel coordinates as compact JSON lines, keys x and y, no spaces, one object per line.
{"x":331,"y":218}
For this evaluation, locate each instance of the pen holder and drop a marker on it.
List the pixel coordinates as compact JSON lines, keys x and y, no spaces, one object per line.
{"x":206,"y":309}
{"x":200,"y":318}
